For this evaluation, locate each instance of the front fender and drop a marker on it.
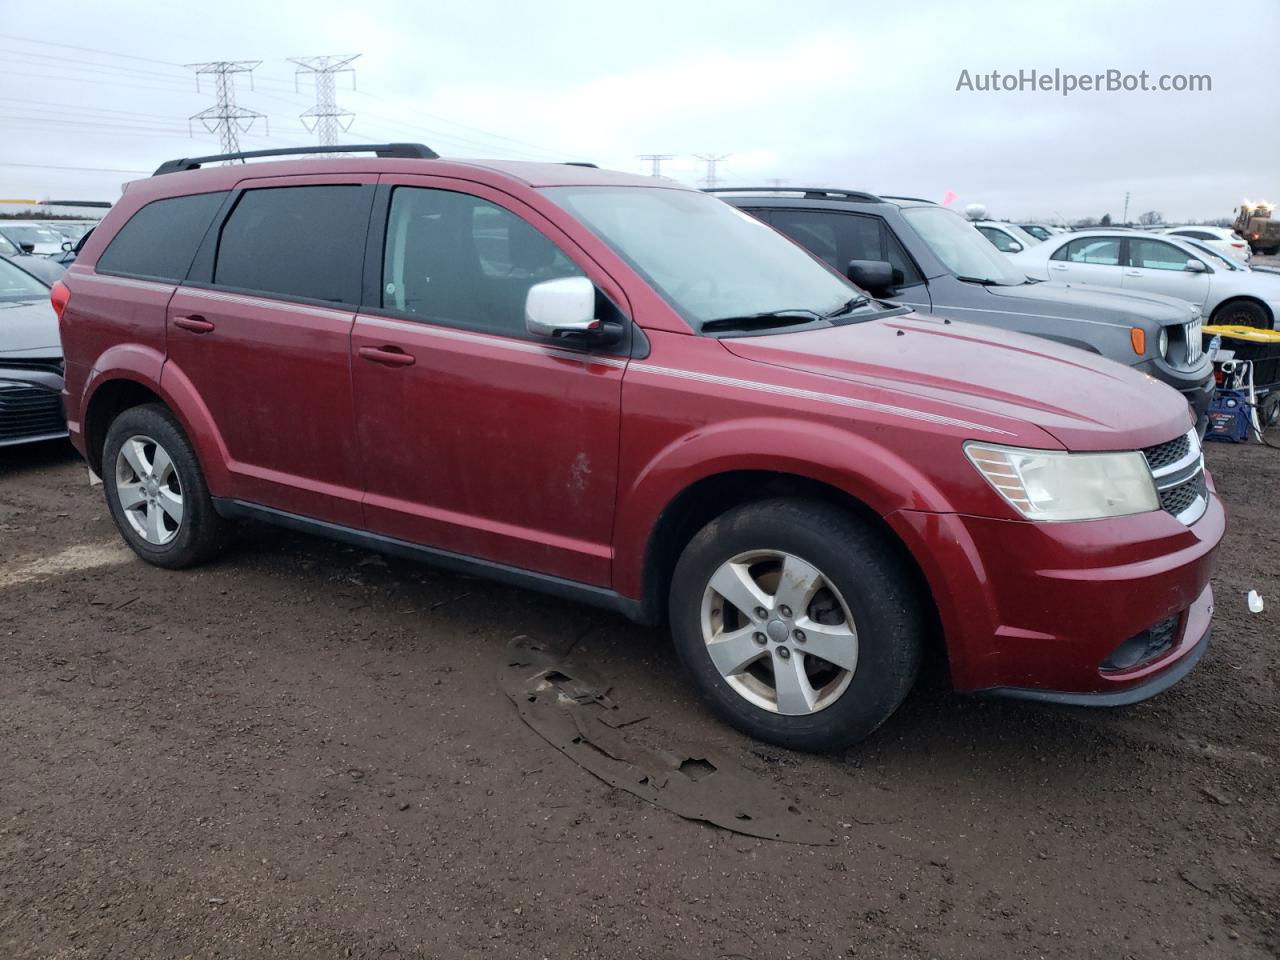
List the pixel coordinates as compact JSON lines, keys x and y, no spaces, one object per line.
{"x":847,"y":461}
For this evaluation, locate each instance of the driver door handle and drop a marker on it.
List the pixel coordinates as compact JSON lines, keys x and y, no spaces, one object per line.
{"x":1133,"y":273}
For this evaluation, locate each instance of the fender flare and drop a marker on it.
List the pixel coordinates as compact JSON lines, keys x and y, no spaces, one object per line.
{"x":855,"y":464}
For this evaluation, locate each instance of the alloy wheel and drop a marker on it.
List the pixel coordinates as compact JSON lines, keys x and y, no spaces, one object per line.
{"x":149,"y":491}
{"x":779,"y":632}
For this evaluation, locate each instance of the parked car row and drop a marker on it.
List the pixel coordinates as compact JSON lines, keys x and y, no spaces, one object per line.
{"x":631,"y":393}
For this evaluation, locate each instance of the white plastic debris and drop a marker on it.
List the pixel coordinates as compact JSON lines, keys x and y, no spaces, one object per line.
{"x":1255,"y":602}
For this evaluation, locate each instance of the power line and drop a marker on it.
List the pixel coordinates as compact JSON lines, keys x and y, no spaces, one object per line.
{"x":326,"y":119}
{"x":225,"y":117}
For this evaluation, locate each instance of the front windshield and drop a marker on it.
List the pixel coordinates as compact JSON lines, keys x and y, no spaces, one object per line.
{"x":709,"y":260}
{"x":17,"y":284}
{"x":961,"y":248}
{"x":1218,"y":259}
{"x":29,"y":233}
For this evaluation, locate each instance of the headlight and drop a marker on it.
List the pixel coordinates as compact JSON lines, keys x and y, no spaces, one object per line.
{"x":1055,"y":485}
{"x":1164,"y":342}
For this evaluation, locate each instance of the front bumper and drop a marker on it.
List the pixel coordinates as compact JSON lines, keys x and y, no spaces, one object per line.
{"x":1196,"y":387}
{"x":1040,"y":607}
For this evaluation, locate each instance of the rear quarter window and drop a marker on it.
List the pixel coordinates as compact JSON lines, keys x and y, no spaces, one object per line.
{"x":160,"y":240}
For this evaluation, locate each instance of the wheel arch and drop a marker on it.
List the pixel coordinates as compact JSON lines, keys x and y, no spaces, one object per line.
{"x":1243,"y":298}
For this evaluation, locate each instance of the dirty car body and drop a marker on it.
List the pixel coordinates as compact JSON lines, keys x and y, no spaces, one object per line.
{"x":596,"y":459}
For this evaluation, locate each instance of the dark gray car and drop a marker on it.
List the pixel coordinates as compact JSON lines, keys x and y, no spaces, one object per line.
{"x":30,"y":361}
{"x":929,"y":258}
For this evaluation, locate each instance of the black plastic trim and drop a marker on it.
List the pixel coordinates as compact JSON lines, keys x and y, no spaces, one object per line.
{"x":411,"y":151}
{"x":461,"y":563}
{"x":1121,"y":698}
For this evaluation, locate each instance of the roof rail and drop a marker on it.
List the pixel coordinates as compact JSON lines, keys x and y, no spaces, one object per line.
{"x":894,"y":196}
{"x":808,"y":193}
{"x":582,"y":163}
{"x":414,"y":151}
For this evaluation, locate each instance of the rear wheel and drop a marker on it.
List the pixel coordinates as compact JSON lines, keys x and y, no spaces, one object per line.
{"x":800,"y":624}
{"x":1242,"y":313}
{"x":156,"y":491}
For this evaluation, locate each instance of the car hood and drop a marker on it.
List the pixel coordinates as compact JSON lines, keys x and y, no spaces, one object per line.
{"x":1109,"y":304}
{"x":28,"y":328}
{"x":984,"y":375}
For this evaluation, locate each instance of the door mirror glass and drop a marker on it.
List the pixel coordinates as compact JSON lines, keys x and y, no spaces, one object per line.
{"x":67,"y":246}
{"x":558,"y":308}
{"x":1195,"y":266}
{"x":874,"y":276}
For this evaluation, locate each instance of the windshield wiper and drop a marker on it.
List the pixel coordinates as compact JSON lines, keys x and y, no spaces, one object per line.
{"x":848,"y":306}
{"x":762,"y":321}
{"x":983,"y":281}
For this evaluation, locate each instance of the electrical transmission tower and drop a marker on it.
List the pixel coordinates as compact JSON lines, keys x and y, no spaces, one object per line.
{"x":325,"y":119}
{"x":711,"y":159}
{"x":775,"y":182}
{"x":226,"y":118}
{"x":655,"y":159}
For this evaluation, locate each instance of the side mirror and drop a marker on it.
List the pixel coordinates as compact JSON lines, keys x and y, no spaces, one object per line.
{"x":558,"y":308}
{"x":1015,"y":246}
{"x":27,"y":247}
{"x":874,"y":276}
{"x":67,"y":246}
{"x":1195,"y":266}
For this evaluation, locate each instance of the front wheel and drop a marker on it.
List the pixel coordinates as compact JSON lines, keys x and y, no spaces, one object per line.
{"x":1242,"y":313}
{"x":800,"y":624}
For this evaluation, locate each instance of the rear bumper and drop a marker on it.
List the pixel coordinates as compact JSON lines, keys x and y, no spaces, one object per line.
{"x":1038,"y":608}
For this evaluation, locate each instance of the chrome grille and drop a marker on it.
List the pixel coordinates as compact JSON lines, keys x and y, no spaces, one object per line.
{"x":39,"y":364}
{"x":1195,"y":350}
{"x":1177,"y":467}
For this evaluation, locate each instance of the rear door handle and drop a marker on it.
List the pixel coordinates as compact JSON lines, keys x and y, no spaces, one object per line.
{"x":194,"y":323}
{"x":1133,"y":273}
{"x":388,"y":356}
{"x":1055,"y":266}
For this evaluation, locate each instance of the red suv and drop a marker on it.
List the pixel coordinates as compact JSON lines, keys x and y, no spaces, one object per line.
{"x":627,"y":392}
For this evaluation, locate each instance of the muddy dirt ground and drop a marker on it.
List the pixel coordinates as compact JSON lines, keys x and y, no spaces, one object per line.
{"x":301,"y":752}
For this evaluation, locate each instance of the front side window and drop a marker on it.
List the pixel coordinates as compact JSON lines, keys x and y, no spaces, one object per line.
{"x":707,"y":259}
{"x":1100,"y":251}
{"x":1155,"y":255}
{"x":961,"y":248}
{"x":160,"y":240}
{"x":455,"y":259}
{"x":305,"y":242}
{"x":837,"y":238}
{"x":7,"y":247}
{"x":1002,"y":241}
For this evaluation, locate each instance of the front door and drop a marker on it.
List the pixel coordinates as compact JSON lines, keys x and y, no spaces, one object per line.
{"x":1158,"y":267}
{"x":1093,"y":260}
{"x":262,"y":331}
{"x":477,"y":438}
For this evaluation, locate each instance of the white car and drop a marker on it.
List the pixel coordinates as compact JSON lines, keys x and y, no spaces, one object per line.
{"x":42,"y":240}
{"x":1006,"y":237}
{"x":1227,"y":292}
{"x":1223,"y":239}
{"x":1042,"y":231}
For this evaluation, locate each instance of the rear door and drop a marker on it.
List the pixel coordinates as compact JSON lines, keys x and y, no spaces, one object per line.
{"x":477,"y":438}
{"x":262,"y":330}
{"x":1158,"y":267}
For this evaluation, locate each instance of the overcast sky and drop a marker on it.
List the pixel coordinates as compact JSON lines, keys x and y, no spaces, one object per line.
{"x":848,"y":94}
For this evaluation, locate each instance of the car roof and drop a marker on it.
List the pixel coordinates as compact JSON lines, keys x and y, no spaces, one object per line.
{"x":526,"y":173}
{"x":817,"y":196}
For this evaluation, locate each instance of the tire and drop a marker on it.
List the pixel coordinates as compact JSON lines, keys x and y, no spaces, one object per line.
{"x":168,"y":521}
{"x":860,"y":576}
{"x":1242,"y":313}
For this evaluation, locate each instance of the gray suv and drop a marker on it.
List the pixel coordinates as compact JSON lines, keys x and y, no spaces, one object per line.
{"x":931,"y":259}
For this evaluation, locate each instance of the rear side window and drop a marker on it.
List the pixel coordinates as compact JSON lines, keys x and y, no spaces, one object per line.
{"x":160,"y":240}
{"x":305,"y":242}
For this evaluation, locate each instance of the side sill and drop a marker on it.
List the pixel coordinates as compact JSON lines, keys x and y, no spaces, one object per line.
{"x":460,"y":563}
